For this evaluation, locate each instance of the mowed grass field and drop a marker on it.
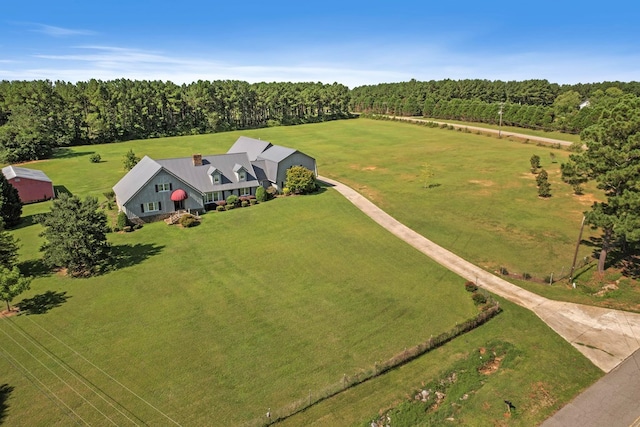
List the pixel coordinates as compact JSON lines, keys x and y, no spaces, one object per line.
{"x":258,"y":307}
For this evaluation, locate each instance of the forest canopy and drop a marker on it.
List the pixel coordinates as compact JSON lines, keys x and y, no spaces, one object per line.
{"x":36,"y":117}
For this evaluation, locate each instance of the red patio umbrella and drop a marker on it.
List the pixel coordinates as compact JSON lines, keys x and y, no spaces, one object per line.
{"x":179,"y":195}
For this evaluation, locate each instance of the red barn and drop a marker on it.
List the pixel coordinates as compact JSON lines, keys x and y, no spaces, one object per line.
{"x":32,"y":185}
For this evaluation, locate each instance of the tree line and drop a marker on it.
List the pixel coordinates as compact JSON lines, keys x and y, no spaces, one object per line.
{"x":38,"y":116}
{"x":535,"y":104}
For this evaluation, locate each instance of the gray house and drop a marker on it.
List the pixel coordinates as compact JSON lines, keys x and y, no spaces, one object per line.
{"x":155,"y":188}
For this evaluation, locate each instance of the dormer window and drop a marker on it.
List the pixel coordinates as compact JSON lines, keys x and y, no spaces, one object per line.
{"x":215,"y":178}
{"x":240,"y":172}
{"x":215,"y":175}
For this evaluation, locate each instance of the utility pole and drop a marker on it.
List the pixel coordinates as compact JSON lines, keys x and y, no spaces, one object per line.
{"x":500,"y":125}
{"x":575,"y":254}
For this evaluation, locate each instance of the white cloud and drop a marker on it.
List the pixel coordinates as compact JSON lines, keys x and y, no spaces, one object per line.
{"x":53,"y":31}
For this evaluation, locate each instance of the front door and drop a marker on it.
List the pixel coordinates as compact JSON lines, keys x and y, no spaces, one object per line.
{"x":178,"y":205}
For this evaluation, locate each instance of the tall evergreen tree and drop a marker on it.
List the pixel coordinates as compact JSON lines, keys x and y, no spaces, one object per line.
{"x":75,"y":233}
{"x":8,"y":248}
{"x":10,"y":204}
{"x":612,"y":159}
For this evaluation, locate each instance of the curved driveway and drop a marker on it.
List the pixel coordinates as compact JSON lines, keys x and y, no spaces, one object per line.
{"x":606,"y":337}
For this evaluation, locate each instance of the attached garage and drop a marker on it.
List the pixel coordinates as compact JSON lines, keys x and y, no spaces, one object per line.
{"x":32,"y":185}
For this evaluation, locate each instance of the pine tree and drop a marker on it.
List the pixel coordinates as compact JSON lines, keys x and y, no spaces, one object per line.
{"x":612,"y":159}
{"x":75,"y":233}
{"x":10,"y":204}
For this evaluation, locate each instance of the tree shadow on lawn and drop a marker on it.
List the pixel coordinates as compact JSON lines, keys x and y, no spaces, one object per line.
{"x":67,"y":153}
{"x":5,"y":391}
{"x":42,"y":303}
{"x":34,"y":268}
{"x":130,"y":255}
{"x":26,"y":221}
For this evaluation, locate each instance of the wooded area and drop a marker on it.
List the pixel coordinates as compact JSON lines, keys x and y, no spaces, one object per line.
{"x":535,"y":104}
{"x":38,"y":116}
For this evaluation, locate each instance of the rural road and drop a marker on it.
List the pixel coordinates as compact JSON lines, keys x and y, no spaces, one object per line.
{"x":606,"y":337}
{"x":489,"y":131}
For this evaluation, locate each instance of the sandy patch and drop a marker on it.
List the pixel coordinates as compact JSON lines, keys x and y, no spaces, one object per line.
{"x":483,"y":183}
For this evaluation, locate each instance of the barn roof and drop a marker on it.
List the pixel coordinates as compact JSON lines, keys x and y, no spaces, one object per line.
{"x":11,"y":172}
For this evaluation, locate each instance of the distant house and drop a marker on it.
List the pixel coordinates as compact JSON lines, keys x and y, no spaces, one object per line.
{"x":32,"y":185}
{"x":584,"y":104}
{"x":156,"y":188}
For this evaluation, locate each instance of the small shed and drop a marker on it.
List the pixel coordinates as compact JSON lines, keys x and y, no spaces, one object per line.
{"x":32,"y":185}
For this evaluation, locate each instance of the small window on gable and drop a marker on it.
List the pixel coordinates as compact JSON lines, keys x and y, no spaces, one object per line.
{"x":242,"y":175}
{"x":216,"y":178}
{"x":165,"y":186}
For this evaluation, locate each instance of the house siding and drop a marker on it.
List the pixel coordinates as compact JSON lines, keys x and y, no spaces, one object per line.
{"x":295,"y":159}
{"x":149,"y":194}
{"x":31,"y":190}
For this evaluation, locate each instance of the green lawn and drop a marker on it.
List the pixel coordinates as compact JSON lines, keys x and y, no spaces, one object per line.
{"x":256,"y":307}
{"x":249,"y":310}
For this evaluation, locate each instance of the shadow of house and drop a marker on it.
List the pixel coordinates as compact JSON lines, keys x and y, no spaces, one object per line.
{"x":130,"y":255}
{"x":5,"y":392}
{"x":42,"y":303}
{"x":59,"y":189}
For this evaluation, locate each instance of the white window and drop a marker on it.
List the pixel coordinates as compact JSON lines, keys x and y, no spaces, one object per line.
{"x":245,"y":191}
{"x":151,"y":207}
{"x":214,"y":196}
{"x":216,"y":178}
{"x":242,"y":175}
{"x":165,"y":186}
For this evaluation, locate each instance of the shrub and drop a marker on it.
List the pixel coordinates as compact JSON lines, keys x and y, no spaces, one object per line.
{"x":576,"y":147}
{"x":109,"y":195}
{"x":228,"y":207}
{"x":232,"y":199}
{"x":271,"y":192}
{"x":220,"y":208}
{"x":526,"y":276}
{"x":244,"y":203}
{"x":95,"y":158}
{"x":221,"y":203}
{"x":470,"y":286}
{"x":300,"y":180}
{"x":261,"y":194}
{"x":127,"y":229}
{"x":542,"y":176}
{"x":253,"y":202}
{"x":504,"y":271}
{"x":535,"y":163}
{"x":286,"y":191}
{"x":137,"y":226}
{"x":478,"y":298}
{"x":188,"y":220}
{"x":122,"y":221}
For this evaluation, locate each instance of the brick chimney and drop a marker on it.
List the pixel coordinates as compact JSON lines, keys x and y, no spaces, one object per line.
{"x":197,"y":160}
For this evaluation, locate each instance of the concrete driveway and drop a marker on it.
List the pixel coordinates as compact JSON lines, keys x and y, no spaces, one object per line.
{"x":606,"y":337}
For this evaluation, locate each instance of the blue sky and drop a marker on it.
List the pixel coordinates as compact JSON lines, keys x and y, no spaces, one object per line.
{"x":350,"y":42}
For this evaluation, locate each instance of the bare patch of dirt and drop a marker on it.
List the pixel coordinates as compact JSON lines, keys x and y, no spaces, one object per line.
{"x":539,"y":397}
{"x":483,"y":183}
{"x":8,"y":313}
{"x":606,"y":289}
{"x":586,"y":199}
{"x":492,"y":366}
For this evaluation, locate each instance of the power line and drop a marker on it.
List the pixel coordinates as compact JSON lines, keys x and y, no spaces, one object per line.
{"x":105,"y":373}
{"x":31,"y":377}
{"x":71,"y":371}
{"x":58,"y":377}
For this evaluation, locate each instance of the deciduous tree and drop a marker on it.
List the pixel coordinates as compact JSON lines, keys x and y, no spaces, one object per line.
{"x":75,"y":233}
{"x":130,"y":160}
{"x":12,"y":284}
{"x":8,"y":248}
